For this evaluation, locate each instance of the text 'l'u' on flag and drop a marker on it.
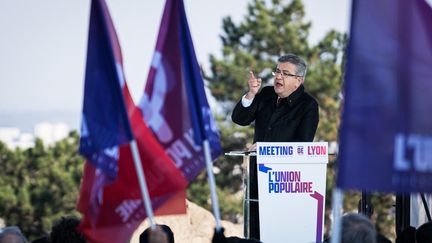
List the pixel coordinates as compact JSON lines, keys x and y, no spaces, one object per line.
{"x":386,"y":131}
{"x":174,"y":104}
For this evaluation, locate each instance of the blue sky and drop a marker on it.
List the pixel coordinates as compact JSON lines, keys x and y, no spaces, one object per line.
{"x":43,"y":43}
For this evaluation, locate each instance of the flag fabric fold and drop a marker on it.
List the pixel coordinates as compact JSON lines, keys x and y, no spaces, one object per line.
{"x":105,"y":124}
{"x":386,"y":131}
{"x":174,"y":103}
{"x":122,"y":209}
{"x":110,"y":198}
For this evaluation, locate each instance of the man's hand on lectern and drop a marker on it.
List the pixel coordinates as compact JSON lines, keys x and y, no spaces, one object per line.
{"x":253,"y":147}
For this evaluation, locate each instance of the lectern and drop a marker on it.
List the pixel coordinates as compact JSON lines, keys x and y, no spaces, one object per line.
{"x":291,"y":189}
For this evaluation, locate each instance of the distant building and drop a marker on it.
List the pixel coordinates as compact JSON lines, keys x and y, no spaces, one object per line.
{"x":25,"y":140}
{"x":49,"y":133}
{"x":9,"y":133}
{"x":13,"y":138}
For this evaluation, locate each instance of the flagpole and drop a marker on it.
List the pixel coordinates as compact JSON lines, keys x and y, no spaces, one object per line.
{"x":142,"y":183}
{"x":337,"y":216}
{"x":211,"y":180}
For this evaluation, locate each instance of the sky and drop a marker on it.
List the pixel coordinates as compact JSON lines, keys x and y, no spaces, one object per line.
{"x":43,"y":44}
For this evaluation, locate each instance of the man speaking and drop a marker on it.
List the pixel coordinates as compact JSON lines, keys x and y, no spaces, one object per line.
{"x":282,"y":113}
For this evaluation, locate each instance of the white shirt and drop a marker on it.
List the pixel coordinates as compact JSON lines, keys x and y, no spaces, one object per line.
{"x":246,"y":102}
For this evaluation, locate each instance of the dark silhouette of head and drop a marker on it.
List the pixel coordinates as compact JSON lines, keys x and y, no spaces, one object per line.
{"x":235,"y":239}
{"x":43,"y":239}
{"x":408,"y":235}
{"x":66,"y":230}
{"x":424,"y":233}
{"x":382,"y":239}
{"x":144,"y":236}
{"x":357,"y":228}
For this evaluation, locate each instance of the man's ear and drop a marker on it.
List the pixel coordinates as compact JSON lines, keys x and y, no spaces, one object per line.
{"x":300,"y":80}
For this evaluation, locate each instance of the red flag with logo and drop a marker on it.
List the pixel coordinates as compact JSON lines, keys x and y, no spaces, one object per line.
{"x":121,"y":210}
{"x":112,"y":211}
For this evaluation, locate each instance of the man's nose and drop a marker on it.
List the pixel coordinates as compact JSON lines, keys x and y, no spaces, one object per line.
{"x":278,"y":77}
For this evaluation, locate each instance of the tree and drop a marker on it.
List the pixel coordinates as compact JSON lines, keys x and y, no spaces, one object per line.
{"x":39,"y":185}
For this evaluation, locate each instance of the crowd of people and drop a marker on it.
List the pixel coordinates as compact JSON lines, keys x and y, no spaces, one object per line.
{"x":63,"y":231}
{"x":356,"y":228}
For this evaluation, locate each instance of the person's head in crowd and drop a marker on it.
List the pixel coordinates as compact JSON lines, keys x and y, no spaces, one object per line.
{"x":357,"y":228}
{"x":161,"y":234}
{"x":235,"y":239}
{"x":408,"y":235}
{"x":43,"y":239}
{"x":219,"y":236}
{"x":65,"y":230}
{"x":11,"y":234}
{"x":382,"y":239}
{"x":424,"y":233}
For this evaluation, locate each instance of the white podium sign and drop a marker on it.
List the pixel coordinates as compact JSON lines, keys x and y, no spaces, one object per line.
{"x":291,"y":191}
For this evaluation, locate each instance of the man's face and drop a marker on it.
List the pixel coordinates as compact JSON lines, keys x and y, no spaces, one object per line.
{"x":285,"y":82}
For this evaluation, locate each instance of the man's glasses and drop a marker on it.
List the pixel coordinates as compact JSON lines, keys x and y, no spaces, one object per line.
{"x":284,"y":74}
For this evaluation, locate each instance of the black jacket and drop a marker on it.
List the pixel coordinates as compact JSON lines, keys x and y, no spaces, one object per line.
{"x":296,"y":120}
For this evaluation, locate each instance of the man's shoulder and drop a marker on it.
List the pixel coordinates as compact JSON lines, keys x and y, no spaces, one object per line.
{"x":268,"y":90}
{"x":309,"y":99}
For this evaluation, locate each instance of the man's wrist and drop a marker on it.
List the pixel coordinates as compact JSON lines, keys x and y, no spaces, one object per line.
{"x":246,"y":102}
{"x":249,"y":95}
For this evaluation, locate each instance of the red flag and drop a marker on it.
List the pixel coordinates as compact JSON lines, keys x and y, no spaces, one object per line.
{"x":174,"y":102}
{"x":122,"y":210}
{"x":112,"y":212}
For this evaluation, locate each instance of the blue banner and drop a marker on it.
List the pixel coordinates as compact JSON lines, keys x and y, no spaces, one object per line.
{"x":386,"y":131}
{"x":105,"y":123}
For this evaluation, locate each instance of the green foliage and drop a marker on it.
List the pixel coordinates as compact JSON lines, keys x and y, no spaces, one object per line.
{"x":229,"y":179}
{"x":39,"y":185}
{"x":230,"y":204}
{"x":383,"y":216}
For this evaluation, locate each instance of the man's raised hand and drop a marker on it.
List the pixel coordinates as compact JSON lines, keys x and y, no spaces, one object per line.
{"x":254,"y":85}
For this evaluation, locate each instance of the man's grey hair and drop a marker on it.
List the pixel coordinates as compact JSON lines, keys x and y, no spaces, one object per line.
{"x":357,"y":228}
{"x":300,"y":63}
{"x":12,"y":230}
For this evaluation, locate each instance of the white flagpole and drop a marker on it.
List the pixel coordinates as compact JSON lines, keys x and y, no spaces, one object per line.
{"x":142,"y":183}
{"x":337,"y":215}
{"x":211,"y":180}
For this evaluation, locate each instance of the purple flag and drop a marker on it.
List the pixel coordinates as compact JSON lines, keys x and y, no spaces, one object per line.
{"x":386,"y":132}
{"x":174,"y":103}
{"x":105,"y":124}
